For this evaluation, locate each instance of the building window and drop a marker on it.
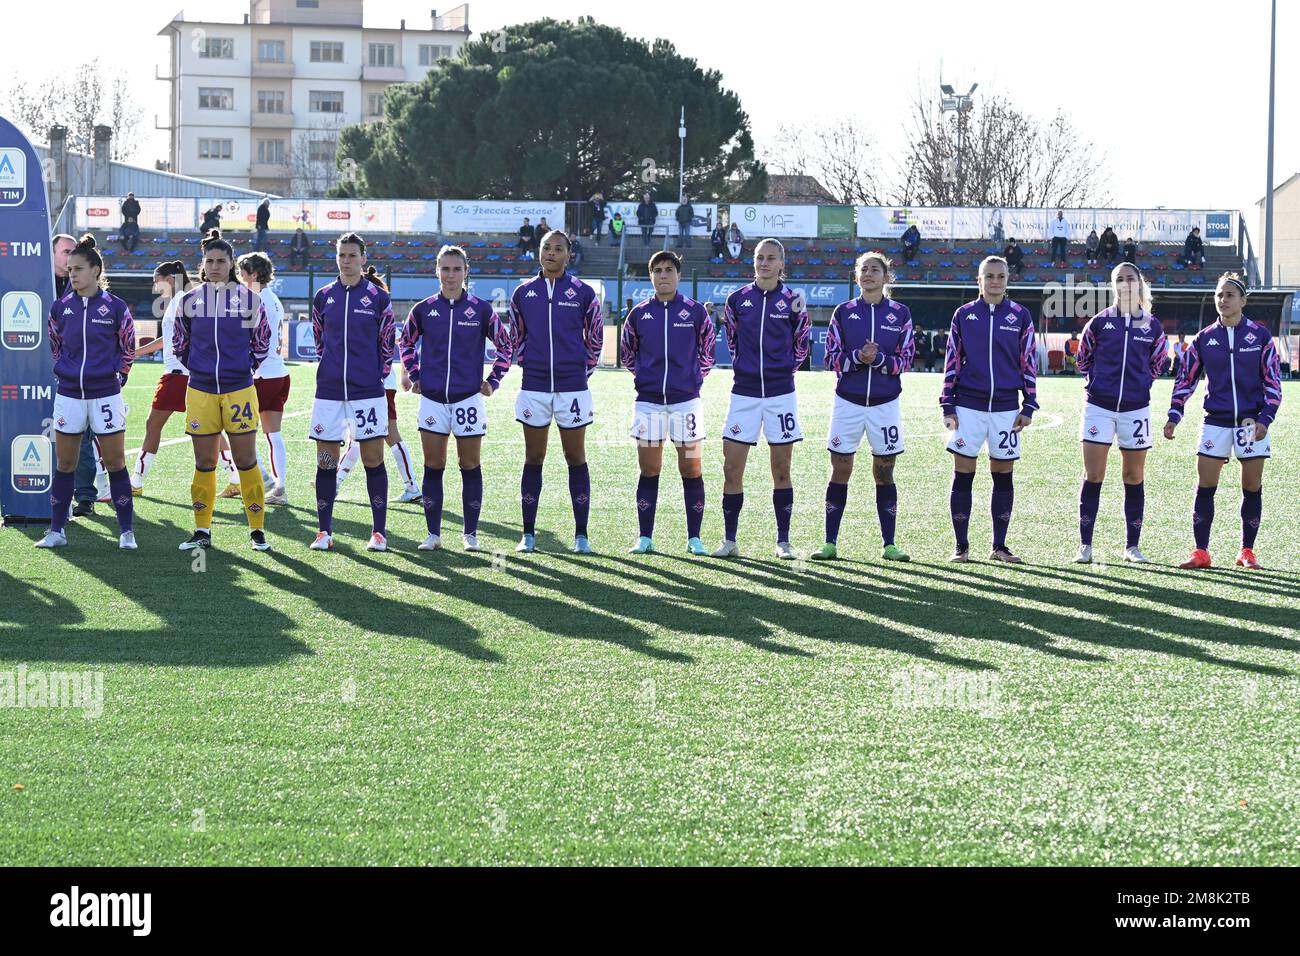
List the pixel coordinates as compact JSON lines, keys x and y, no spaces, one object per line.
{"x":375,"y":104}
{"x":431,"y":53}
{"x":326,"y":101}
{"x":217,"y":48}
{"x":216,"y":98}
{"x":215,"y":148}
{"x":270,"y":151}
{"x":326,"y":51}
{"x":308,"y":4}
{"x":382,"y":54}
{"x":270,"y":51}
{"x":270,"y":101}
{"x":321,"y":150}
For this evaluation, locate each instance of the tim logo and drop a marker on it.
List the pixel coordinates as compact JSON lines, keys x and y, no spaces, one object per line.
{"x":13,"y":176}
{"x":19,"y":249}
{"x":30,"y":459}
{"x":75,"y":908}
{"x":20,"y":321}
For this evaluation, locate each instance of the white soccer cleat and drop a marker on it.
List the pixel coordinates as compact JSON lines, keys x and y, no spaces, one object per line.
{"x":728,"y":549}
{"x":102,"y":492}
{"x":377,"y":542}
{"x":1135,"y":555}
{"x":431,"y":543}
{"x":275,"y":495}
{"x":53,"y":539}
{"x":784,"y":551}
{"x":126,"y":541}
{"x":324,"y":542}
{"x":411,"y":493}
{"x":470,"y":542}
{"x":1084,"y":555}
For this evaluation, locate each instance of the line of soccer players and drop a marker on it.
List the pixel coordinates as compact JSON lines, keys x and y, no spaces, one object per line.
{"x":221,"y":335}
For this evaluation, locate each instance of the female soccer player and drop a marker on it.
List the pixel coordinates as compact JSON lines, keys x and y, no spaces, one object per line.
{"x":221,"y":336}
{"x":1243,"y":394}
{"x":352,"y":319}
{"x":668,"y":346}
{"x":992,"y":356}
{"x":272,"y":378}
{"x":92,"y":337}
{"x":556,"y":336}
{"x":767,"y":328}
{"x":171,"y":281}
{"x":442,"y":362}
{"x":869,"y":344}
{"x":1121,"y":353}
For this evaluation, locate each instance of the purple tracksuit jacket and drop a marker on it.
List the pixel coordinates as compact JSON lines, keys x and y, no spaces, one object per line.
{"x":853,"y":324}
{"x":1120,"y":356}
{"x":93,"y":341}
{"x":221,"y":336}
{"x":992,"y":357}
{"x":356,"y":339}
{"x":669,"y":348}
{"x":768,"y":333}
{"x":556,"y":332}
{"x":1242,"y":371}
{"x":442,"y":346}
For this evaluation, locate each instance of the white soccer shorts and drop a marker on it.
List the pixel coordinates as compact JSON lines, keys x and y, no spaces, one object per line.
{"x":103,"y":416}
{"x":975,"y":428}
{"x":367,"y":418}
{"x":681,"y":423}
{"x":881,"y":424}
{"x":777,"y":418}
{"x":1100,"y":426}
{"x":464,"y":419}
{"x":568,"y":409}
{"x":1218,"y":441}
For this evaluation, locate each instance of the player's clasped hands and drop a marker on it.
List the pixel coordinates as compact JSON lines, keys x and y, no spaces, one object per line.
{"x":867,"y":354}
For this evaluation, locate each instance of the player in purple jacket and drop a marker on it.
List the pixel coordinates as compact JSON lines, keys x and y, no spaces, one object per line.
{"x":869,"y":345}
{"x":556,"y":334}
{"x":356,"y":339}
{"x":221,"y":335}
{"x":767,"y":328}
{"x":667,"y":344}
{"x":1243,"y":394}
{"x":992,"y":358}
{"x":442,"y":362}
{"x":1121,"y":352}
{"x":92,"y":337}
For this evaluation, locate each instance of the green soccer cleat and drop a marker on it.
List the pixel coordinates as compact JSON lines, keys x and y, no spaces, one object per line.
{"x":894,"y":553}
{"x":696,"y":547}
{"x":827,"y":553}
{"x":643,"y":546}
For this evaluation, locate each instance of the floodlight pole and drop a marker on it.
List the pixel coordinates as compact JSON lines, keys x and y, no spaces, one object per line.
{"x":1268,"y":191}
{"x":681,"y":157}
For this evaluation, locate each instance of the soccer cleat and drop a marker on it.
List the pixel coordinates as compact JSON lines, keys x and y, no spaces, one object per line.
{"x":1135,"y":555}
{"x":960,"y":555}
{"x":431,"y":543}
{"x":784,"y":551}
{"x":231,"y":491}
{"x":696,"y":547}
{"x":893,"y":552}
{"x":258,"y":538}
{"x":643,"y":546}
{"x":137,"y":485}
{"x":137,"y":491}
{"x":275,"y":495}
{"x":126,"y":541}
{"x":1004,"y":554}
{"x":1246,"y":559}
{"x":1198,"y":559}
{"x":324,"y":542}
{"x":470,"y":542}
{"x":1084,"y":554}
{"x":53,"y":539}
{"x":828,"y":552}
{"x":83,"y":509}
{"x":411,"y":493}
{"x":728,"y":549}
{"x":377,"y":542}
{"x":581,"y":545}
{"x":199,"y":539}
{"x":103,"y":494}
{"x":527,"y":544}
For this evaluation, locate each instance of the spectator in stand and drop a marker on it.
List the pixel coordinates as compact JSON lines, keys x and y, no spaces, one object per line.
{"x":911,"y":243}
{"x":646,"y":214}
{"x":1091,"y":245}
{"x":1060,"y":233}
{"x":299,"y":249}
{"x":627,"y":309}
{"x":597,"y":204}
{"x":211,"y":219}
{"x":1072,"y":353}
{"x":1130,"y":252}
{"x":616,"y":227}
{"x":1193,"y":249}
{"x":575,"y":253}
{"x":130,"y":231}
{"x":263,"y":225}
{"x":735,"y":242}
{"x":526,"y":237}
{"x":685,"y":213}
{"x":1015,"y":257}
{"x":938,"y":348}
{"x":1180,"y":357}
{"x":718,"y":239}
{"x":1108,"y":247}
{"x":923,"y":351}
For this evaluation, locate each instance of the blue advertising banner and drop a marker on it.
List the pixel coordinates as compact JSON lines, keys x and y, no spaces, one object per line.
{"x":26,"y":366}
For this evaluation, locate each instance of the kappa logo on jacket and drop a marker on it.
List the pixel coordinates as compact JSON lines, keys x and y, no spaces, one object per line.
{"x":747,"y":304}
{"x":1108,"y":325}
{"x":67,"y":311}
{"x":854,"y":315}
{"x":1211,"y":341}
{"x":329,"y":300}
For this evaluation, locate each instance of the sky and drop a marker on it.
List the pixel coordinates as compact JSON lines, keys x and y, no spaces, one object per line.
{"x":1175,"y":93}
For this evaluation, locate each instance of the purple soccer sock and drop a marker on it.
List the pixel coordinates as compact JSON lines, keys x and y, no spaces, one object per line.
{"x":119,"y":487}
{"x":1203,"y":516}
{"x":471,"y":496}
{"x":837,"y":496}
{"x":431,"y":494}
{"x":327,"y":488}
{"x":377,"y":489}
{"x":530,"y":493}
{"x":1252,"y":509}
{"x":1089,"y":502}
{"x":647,"y":500}
{"x":580,"y":493}
{"x":1135,"y":499}
{"x":783,"y":505}
{"x":959,"y":504}
{"x":61,"y":498}
{"x":731,"y":505}
{"x":887,"y":510}
{"x":1003,"y":499}
{"x":693,"y":493}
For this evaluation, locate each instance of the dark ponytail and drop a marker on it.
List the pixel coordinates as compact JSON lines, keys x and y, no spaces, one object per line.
{"x":85,"y":248}
{"x":372,"y":274}
{"x":174,"y":268}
